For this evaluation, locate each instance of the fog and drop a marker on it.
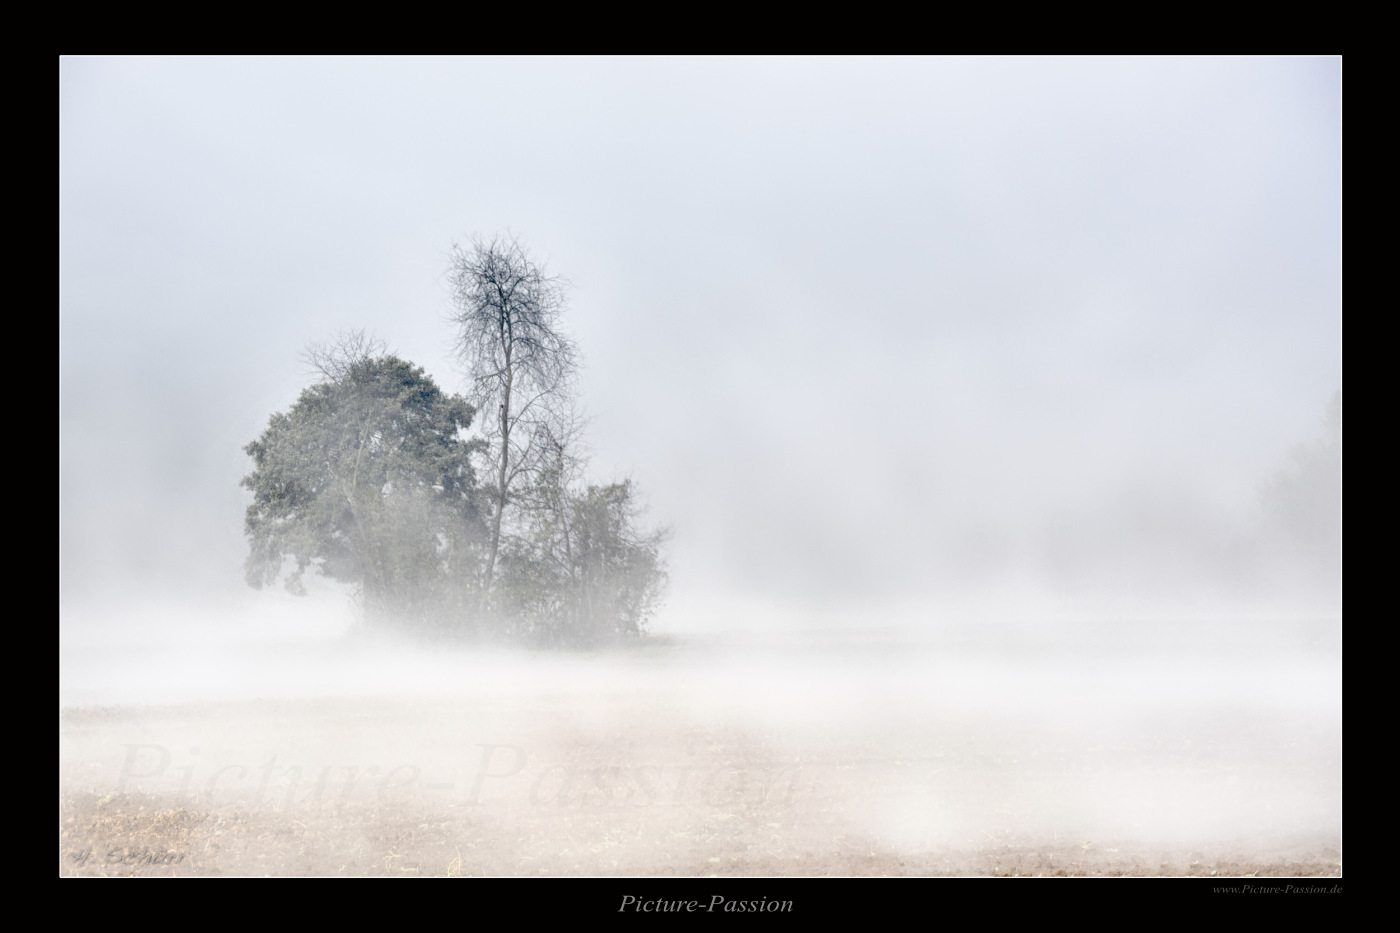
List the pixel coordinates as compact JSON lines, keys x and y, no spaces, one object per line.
{"x":979,"y":396}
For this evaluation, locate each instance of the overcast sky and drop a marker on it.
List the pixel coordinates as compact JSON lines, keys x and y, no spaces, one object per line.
{"x":859,"y":328}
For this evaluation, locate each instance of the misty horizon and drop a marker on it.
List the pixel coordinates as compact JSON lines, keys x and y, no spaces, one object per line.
{"x":934,"y":403}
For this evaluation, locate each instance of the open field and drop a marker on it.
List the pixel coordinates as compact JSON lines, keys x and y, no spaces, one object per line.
{"x":786,"y":758}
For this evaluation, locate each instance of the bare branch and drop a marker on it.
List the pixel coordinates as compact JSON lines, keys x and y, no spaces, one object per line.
{"x":342,"y":354}
{"x":521,"y":366}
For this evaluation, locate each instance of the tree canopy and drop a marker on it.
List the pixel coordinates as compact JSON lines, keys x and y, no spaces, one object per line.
{"x":368,"y":479}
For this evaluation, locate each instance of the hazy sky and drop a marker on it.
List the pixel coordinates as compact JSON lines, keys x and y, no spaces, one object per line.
{"x":858,"y":327}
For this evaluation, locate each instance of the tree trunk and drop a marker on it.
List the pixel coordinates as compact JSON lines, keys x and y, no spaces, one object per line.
{"x":501,"y":477}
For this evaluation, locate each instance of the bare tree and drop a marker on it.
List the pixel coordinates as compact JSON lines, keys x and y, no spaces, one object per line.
{"x":522,"y":368}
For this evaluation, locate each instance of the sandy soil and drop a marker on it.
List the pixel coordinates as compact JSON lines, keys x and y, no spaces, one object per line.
{"x":615,"y":777}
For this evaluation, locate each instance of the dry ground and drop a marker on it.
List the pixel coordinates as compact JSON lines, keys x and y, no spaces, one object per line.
{"x":635,"y":778}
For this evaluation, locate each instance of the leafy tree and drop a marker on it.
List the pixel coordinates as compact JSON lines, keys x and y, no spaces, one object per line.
{"x":368,"y":479}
